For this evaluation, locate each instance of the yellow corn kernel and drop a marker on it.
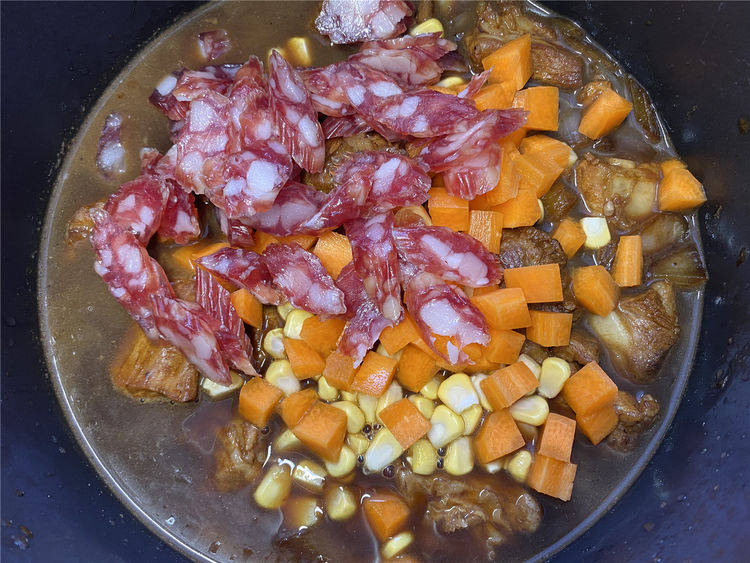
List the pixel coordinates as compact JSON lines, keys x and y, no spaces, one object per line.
{"x":309,"y":475}
{"x":273,"y":343}
{"x":326,"y":391}
{"x":431,"y":388}
{"x":341,"y":504}
{"x":596,"y":231}
{"x":355,"y":418}
{"x":294,"y":321}
{"x":533,"y":366}
{"x":459,"y":456}
{"x":358,"y":443}
{"x":274,"y":487}
{"x":518,"y":465}
{"x":393,"y":394}
{"x":397,"y":544}
{"x":458,"y":393}
{"x":471,"y":417}
{"x":431,"y":25}
{"x":286,"y":441}
{"x":494,"y":466}
{"x":280,"y":374}
{"x":423,"y":404}
{"x":368,"y":405}
{"x":298,"y":48}
{"x":302,"y":512}
{"x":344,"y":464}
{"x":541,"y":210}
{"x":445,"y":427}
{"x":452,"y":82}
{"x":555,"y":372}
{"x":531,"y":410}
{"x":422,"y":457}
{"x":417,"y":210}
{"x":217,"y":391}
{"x":384,"y":449}
{"x":284,"y":309}
{"x":476,"y":381}
{"x":349,"y":396}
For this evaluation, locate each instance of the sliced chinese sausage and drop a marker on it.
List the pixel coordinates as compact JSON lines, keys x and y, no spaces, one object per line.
{"x":352,"y":21}
{"x":452,"y":256}
{"x":326,"y":86}
{"x":296,"y":118}
{"x":445,"y":316}
{"x":295,"y":204}
{"x":366,"y":322}
{"x":237,"y":233}
{"x":244,"y":268}
{"x":230,"y":330}
{"x":110,"y":154}
{"x":188,"y":327}
{"x":475,"y":174}
{"x":376,"y":262}
{"x":344,"y":126}
{"x":131,"y":275}
{"x":192,"y":83}
{"x":411,"y":66}
{"x":138,"y":206}
{"x":250,"y":110}
{"x":213,"y":44}
{"x":474,"y":85}
{"x":180,"y":219}
{"x":303,"y":279}
{"x":430,"y":43}
{"x":397,"y":181}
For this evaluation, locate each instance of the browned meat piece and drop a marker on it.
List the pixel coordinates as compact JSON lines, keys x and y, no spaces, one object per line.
{"x":240,"y":454}
{"x":271,"y":320}
{"x":534,"y":351}
{"x":635,"y":417}
{"x":683,"y":268}
{"x":662,"y":232}
{"x":640,"y":331}
{"x":149,"y":370}
{"x":498,"y":23}
{"x":582,"y":349}
{"x":620,"y":190}
{"x":338,"y":149}
{"x":643,"y":110}
{"x":496,"y":507}
{"x":528,"y":246}
{"x":81,"y":225}
{"x":558,"y":201}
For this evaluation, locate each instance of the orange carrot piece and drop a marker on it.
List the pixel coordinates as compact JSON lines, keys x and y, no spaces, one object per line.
{"x":248,"y":307}
{"x":447,"y":210}
{"x":520,"y":211}
{"x":549,"y":329}
{"x":415,"y":368}
{"x":516,"y":137}
{"x":339,"y":370}
{"x":570,"y":235}
{"x":511,"y":62}
{"x":498,"y":436}
{"x":627,"y":270}
{"x":262,"y":240}
{"x":589,"y":389}
{"x":405,"y":422}
{"x":669,"y":165}
{"x":498,"y":95}
{"x":258,"y":399}
{"x":322,"y":336}
{"x":549,"y":148}
{"x":187,"y":255}
{"x":510,"y":179}
{"x":542,"y":103}
{"x":374,"y":375}
{"x":505,"y":386}
{"x":595,"y":289}
{"x":504,"y":347}
{"x":476,"y":291}
{"x":503,"y":308}
{"x":606,"y":112}
{"x":537,"y":172}
{"x":334,"y":252}
{"x":540,"y":284}
{"x":394,"y":338}
{"x":599,"y":424}
{"x":680,"y":191}
{"x":552,"y":477}
{"x":305,"y":361}
{"x":487,"y":228}
{"x":386,"y":514}
{"x":556,"y":440}
{"x":296,"y":405}
{"x":322,"y":429}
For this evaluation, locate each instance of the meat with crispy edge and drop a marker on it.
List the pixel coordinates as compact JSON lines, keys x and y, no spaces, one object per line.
{"x":239,"y":455}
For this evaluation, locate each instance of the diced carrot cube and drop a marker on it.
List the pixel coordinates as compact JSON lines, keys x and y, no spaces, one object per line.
{"x":187,"y":255}
{"x":556,"y":440}
{"x":487,"y":228}
{"x":549,"y":328}
{"x":516,"y":137}
{"x":542,"y":103}
{"x":374,"y":375}
{"x":589,"y":389}
{"x":552,"y":477}
{"x":447,"y":210}
{"x":505,"y":386}
{"x":296,"y":405}
{"x":321,"y":335}
{"x":669,"y":165}
{"x":680,"y":191}
{"x":262,"y":240}
{"x":549,"y":148}
{"x":394,"y":338}
{"x":511,"y":62}
{"x":334,"y":251}
{"x":627,"y":269}
{"x":305,"y":361}
{"x":258,"y":399}
{"x":305,"y":241}
{"x":248,"y":307}
{"x":498,"y":95}
{"x":598,"y":424}
{"x":595,"y":289}
{"x":405,"y":422}
{"x":510,"y":179}
{"x":570,"y":235}
{"x":520,"y":211}
{"x":322,"y":429}
{"x":386,"y":514}
{"x":504,"y":347}
{"x":415,"y":368}
{"x":606,"y":112}
{"x":339,"y":370}
{"x":476,"y":291}
{"x":498,"y":436}
{"x":503,"y":308}
{"x":540,"y":283}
